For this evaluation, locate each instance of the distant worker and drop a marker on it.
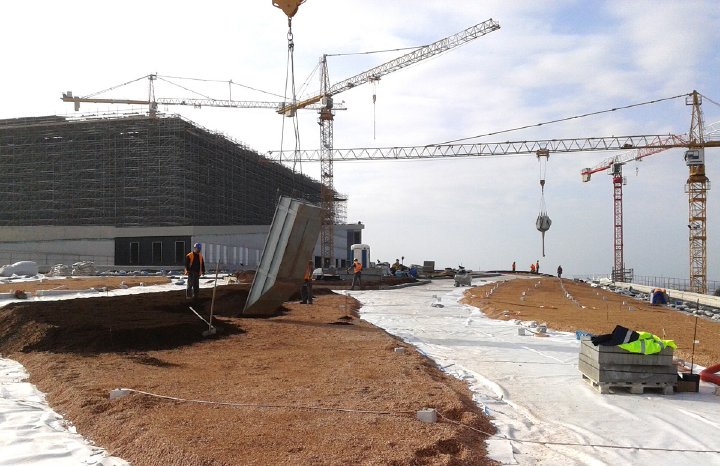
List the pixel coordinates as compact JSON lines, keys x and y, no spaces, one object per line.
{"x":532,"y":268}
{"x":357,"y":270}
{"x":306,"y":290}
{"x":194,"y":267}
{"x":396,"y":266}
{"x":537,"y":266}
{"x":513,"y":267}
{"x":559,"y":271}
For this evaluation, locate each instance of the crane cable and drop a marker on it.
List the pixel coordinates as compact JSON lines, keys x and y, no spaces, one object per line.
{"x":543,"y":222}
{"x":452,"y":141}
{"x":290,"y":82}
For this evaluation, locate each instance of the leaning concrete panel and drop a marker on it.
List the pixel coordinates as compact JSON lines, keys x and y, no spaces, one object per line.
{"x":290,"y":243}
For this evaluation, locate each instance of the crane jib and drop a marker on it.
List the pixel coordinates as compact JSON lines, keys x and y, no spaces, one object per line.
{"x":491,"y":149}
{"x":403,"y":61}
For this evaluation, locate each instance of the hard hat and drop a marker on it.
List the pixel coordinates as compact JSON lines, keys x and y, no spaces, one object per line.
{"x":197,"y":245}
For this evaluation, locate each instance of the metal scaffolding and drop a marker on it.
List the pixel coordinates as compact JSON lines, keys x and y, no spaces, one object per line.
{"x":134,"y":170}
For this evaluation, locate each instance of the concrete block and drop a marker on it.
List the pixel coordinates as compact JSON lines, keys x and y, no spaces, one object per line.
{"x":290,"y":243}
{"x":428,"y":415}
{"x":118,"y":393}
{"x":610,"y":366}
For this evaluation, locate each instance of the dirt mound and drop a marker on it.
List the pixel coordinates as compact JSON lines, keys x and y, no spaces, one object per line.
{"x":296,"y":388}
{"x":143,"y":322}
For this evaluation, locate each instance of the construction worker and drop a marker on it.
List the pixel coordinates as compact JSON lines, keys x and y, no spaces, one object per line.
{"x":306,"y":290}
{"x":532,"y":268}
{"x":559,"y":271}
{"x":194,"y":267}
{"x":396,"y":266}
{"x":537,"y":266}
{"x":513,"y":267}
{"x":357,"y":270}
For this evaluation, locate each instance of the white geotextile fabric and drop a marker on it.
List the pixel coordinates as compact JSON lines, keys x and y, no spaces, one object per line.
{"x":32,"y":433}
{"x":533,"y":390}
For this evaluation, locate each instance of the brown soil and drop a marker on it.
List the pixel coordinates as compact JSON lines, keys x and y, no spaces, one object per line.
{"x":602,"y":311}
{"x":312,"y":385}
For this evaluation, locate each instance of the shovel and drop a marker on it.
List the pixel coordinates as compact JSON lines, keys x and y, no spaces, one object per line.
{"x":211,"y":330}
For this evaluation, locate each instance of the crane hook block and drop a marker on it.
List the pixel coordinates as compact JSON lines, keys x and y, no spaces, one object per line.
{"x":289,"y":7}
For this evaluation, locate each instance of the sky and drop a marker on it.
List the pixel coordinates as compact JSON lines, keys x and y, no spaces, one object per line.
{"x":549,"y":60}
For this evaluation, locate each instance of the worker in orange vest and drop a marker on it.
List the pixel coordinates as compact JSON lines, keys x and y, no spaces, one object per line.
{"x":306,"y":290}
{"x":532,"y":268}
{"x":357,"y":270}
{"x":194,"y":267}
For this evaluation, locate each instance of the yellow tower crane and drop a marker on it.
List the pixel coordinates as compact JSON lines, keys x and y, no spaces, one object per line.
{"x":326,"y":114}
{"x":697,"y":187}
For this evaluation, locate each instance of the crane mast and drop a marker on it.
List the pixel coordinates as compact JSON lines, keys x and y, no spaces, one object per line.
{"x":697,"y":187}
{"x":327,"y":180}
{"x":619,"y":273}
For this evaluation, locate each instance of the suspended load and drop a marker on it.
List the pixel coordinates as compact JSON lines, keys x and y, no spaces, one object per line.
{"x":289,"y":7}
{"x":543,"y":222}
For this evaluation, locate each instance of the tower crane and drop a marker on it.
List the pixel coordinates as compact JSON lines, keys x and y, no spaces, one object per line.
{"x":152,"y":102}
{"x":697,"y":187}
{"x":326,"y":116}
{"x":615,"y":164}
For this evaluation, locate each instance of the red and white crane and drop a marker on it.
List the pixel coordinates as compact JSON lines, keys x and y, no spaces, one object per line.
{"x":615,"y":164}
{"x":642,"y":146}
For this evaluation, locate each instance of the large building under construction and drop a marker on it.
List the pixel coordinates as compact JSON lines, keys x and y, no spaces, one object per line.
{"x":139,"y":190}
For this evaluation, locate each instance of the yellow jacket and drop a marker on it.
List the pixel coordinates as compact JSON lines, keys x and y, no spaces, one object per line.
{"x":648,"y":344}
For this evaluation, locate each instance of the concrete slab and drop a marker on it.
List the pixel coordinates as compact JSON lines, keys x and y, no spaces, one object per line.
{"x":290,"y":244}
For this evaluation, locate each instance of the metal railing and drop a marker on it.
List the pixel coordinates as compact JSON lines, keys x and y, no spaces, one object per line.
{"x":680,"y":284}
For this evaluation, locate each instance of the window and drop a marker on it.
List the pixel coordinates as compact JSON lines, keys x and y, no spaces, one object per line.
{"x":179,"y":252}
{"x":134,"y":253}
{"x":156,"y":253}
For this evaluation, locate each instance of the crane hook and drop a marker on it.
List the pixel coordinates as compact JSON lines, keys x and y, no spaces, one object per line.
{"x":289,"y":7}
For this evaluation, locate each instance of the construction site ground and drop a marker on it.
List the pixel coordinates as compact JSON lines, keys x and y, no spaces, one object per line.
{"x":596,"y":311}
{"x":312,"y":385}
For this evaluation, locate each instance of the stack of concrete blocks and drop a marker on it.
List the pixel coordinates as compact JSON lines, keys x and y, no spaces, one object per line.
{"x":608,"y":367}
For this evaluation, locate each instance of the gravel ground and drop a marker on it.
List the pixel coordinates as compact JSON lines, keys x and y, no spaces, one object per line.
{"x":312,"y":385}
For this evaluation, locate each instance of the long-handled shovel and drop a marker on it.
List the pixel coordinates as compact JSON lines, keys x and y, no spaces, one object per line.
{"x":211,"y":330}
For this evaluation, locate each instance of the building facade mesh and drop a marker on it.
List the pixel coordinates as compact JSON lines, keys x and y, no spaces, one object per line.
{"x":136,"y":171}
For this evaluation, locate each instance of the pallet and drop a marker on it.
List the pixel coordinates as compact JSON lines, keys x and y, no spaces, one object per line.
{"x":666,"y":388}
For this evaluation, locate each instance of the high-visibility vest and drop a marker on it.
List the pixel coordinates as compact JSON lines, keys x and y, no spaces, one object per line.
{"x":357,"y":267}
{"x":647,"y":344}
{"x":191,"y":258}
